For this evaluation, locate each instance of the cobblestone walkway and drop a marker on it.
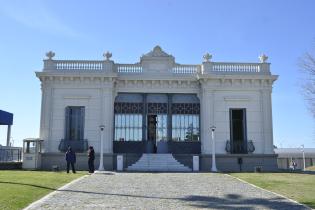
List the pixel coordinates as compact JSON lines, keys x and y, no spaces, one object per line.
{"x":162,"y":191}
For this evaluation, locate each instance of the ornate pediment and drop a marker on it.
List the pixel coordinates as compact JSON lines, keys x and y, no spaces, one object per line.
{"x":157,"y":61}
{"x":157,"y":52}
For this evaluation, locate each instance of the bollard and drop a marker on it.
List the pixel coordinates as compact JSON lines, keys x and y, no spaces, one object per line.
{"x":195,"y":163}
{"x":120,"y":163}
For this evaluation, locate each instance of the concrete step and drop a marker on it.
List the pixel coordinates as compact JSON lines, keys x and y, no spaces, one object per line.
{"x":160,"y":170}
{"x":157,"y":162}
{"x":161,"y":166}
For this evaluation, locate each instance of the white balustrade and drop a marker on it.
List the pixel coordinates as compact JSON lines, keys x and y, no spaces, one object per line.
{"x":129,"y":68}
{"x":186,"y":69}
{"x":236,"y":67}
{"x":209,"y":67}
{"x":78,"y":65}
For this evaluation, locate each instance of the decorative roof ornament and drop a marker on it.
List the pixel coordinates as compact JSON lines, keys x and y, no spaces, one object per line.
{"x":207,"y":57}
{"x":107,"y":55}
{"x":157,"y":52}
{"x":263,"y":58}
{"x":50,"y":55}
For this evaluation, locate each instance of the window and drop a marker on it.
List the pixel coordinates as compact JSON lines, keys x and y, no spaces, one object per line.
{"x":74,"y":123}
{"x":128,"y":127}
{"x":185,"y":127}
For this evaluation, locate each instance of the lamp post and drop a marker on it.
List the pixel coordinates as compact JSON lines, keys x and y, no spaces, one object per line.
{"x":213,"y":167}
{"x":303,"y":156}
{"x":101,"y":167}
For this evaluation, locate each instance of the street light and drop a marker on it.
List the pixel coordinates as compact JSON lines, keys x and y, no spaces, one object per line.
{"x":213,"y":167}
{"x":303,"y":157}
{"x":101,"y":167}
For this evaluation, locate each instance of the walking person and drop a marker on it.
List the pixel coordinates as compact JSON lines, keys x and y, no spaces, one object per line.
{"x":91,"y":157}
{"x":71,"y":159}
{"x":294,"y":165}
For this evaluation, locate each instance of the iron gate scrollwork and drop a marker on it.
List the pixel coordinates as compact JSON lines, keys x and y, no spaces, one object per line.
{"x":157,"y":108}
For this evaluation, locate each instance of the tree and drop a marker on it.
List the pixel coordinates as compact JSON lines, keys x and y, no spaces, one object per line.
{"x":307,"y":64}
{"x":190,"y":135}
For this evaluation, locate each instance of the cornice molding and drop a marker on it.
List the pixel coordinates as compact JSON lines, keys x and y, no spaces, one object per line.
{"x":186,"y":82}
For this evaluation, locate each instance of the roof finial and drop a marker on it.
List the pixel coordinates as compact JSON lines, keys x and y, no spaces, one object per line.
{"x":50,"y":55}
{"x":157,"y":48}
{"x":107,"y":55}
{"x":263,"y":58}
{"x":207,"y":57}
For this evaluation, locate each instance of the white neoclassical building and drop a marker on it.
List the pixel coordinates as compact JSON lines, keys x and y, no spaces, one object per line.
{"x":158,"y":106}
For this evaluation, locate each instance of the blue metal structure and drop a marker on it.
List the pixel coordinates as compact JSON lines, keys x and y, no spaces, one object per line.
{"x":6,"y":118}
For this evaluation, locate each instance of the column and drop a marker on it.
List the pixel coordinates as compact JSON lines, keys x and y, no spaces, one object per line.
{"x":144,"y":117}
{"x":8,"y":135}
{"x":169,"y":117}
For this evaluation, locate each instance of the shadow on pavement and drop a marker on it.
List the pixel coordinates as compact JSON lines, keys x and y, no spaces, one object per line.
{"x":235,"y":201}
{"x":230,"y":201}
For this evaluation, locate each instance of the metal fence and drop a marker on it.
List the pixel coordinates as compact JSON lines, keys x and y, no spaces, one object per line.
{"x":9,"y":154}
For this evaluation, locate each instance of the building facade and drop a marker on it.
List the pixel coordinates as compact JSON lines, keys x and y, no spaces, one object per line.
{"x":158,"y":106}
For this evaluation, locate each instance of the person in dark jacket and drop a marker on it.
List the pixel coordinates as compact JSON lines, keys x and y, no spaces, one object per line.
{"x":71,"y":159}
{"x":91,"y":157}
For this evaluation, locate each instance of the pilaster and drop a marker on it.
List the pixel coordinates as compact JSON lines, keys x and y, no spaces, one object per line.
{"x":46,"y":114}
{"x":107,"y":117}
{"x":267,"y":120}
{"x":206,"y":119}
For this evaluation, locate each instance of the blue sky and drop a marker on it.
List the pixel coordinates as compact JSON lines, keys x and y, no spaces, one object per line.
{"x":230,"y":30}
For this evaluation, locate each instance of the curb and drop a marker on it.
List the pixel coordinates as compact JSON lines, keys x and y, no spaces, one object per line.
{"x":282,"y":196}
{"x":43,"y":199}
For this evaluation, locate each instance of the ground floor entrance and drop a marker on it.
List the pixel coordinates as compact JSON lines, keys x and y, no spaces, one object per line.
{"x":156,"y":123}
{"x":156,"y":134}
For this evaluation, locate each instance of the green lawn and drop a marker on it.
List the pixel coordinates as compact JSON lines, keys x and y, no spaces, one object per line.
{"x":297,"y":186}
{"x":19,"y":188}
{"x":311,"y":168}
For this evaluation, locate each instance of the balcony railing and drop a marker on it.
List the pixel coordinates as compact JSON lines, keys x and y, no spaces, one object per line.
{"x":239,"y":147}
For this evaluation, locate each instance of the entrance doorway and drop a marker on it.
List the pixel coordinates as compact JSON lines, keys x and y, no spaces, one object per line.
{"x":152,"y":121}
{"x":157,"y":133}
{"x":238,"y":131}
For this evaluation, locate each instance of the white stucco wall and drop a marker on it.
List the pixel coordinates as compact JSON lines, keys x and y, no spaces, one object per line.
{"x":98,"y":111}
{"x":218,"y":91}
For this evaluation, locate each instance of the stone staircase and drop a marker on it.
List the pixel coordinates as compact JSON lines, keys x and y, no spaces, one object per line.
{"x":157,"y":162}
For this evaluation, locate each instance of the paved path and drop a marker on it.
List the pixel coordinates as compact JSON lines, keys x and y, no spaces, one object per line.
{"x":162,"y":191}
